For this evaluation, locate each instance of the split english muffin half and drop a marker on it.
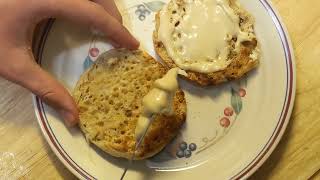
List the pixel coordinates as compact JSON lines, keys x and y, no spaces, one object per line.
{"x":212,"y":40}
{"x":109,"y":97}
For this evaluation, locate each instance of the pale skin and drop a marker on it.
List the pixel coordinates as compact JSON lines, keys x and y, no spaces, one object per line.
{"x":18,"y":20}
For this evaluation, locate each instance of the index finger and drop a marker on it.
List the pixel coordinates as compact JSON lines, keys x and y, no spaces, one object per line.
{"x":94,"y":16}
{"x":111,"y":7}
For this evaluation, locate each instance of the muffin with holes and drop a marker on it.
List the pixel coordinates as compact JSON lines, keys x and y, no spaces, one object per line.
{"x":212,"y":40}
{"x":121,"y":94}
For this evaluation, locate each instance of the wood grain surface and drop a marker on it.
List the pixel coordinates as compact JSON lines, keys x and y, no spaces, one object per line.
{"x":296,"y":157}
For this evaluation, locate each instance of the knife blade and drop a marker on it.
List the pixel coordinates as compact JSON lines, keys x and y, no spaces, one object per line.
{"x":134,"y":152}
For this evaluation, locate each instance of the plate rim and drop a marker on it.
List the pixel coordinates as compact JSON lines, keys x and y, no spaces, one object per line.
{"x":246,"y":172}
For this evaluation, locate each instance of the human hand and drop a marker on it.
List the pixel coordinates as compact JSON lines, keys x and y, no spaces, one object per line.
{"x":18,"y":21}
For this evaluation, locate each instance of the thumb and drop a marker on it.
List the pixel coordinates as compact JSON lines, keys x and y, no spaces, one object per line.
{"x":24,"y":71}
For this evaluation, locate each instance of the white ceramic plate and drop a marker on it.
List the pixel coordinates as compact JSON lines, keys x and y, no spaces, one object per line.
{"x":235,"y":126}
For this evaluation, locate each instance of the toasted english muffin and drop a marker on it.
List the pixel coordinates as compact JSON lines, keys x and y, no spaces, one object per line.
{"x":109,"y":98}
{"x":242,"y":61}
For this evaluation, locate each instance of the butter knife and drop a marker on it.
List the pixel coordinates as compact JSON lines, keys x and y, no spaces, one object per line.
{"x":134,"y":152}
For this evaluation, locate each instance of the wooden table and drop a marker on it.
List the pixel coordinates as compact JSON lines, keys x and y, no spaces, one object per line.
{"x":296,"y":157}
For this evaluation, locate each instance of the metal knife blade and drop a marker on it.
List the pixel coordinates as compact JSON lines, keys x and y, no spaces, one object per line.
{"x":134,"y":152}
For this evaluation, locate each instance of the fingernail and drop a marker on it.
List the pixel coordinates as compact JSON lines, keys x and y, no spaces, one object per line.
{"x":69,"y":118}
{"x":114,"y":44}
{"x":134,"y":45}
